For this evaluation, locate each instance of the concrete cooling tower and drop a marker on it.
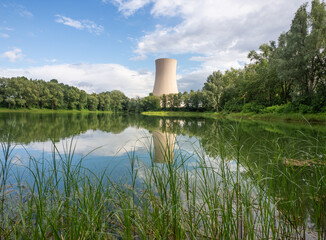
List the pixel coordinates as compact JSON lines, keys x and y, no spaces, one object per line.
{"x":165,"y":77}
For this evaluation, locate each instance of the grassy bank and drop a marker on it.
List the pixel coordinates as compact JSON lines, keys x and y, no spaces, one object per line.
{"x":208,"y":200}
{"x":290,"y":117}
{"x":37,"y":110}
{"x":183,"y":114}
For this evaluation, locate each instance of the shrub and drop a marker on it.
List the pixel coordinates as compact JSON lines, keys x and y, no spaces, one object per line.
{"x":305,"y":108}
{"x":252,"y":107}
{"x":284,"y":108}
{"x":232,"y":107}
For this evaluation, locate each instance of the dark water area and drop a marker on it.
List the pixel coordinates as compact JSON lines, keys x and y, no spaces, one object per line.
{"x":289,"y":158}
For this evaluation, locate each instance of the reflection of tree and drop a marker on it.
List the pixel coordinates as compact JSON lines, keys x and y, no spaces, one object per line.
{"x":34,"y":127}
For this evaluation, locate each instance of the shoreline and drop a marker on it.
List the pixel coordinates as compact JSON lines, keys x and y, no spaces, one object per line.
{"x":288,"y":117}
{"x":36,"y":110}
{"x":315,"y":118}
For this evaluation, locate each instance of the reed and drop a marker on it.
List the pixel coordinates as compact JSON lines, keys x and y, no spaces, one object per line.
{"x":228,"y":197}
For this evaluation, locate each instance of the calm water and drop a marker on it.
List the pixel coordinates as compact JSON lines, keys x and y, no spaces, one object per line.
{"x":107,"y":141}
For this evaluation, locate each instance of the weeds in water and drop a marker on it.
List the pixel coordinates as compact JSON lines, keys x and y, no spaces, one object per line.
{"x":229,"y":197}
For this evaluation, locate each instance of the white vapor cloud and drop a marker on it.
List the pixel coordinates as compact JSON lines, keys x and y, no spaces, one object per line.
{"x":13,"y":55}
{"x":91,"y":77}
{"x":88,"y":25}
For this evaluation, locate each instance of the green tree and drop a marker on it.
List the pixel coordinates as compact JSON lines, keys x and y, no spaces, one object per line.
{"x":214,"y":87}
{"x":119,"y":101}
{"x":92,"y":102}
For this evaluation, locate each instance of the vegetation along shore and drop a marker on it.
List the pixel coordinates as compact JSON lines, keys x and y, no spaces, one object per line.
{"x":284,"y":76}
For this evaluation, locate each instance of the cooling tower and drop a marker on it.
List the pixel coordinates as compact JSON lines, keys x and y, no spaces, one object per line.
{"x":165,"y":77}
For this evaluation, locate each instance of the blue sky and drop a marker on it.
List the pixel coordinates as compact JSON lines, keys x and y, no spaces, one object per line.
{"x":102,"y":45}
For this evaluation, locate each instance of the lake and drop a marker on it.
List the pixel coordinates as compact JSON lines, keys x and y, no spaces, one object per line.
{"x":285,"y":160}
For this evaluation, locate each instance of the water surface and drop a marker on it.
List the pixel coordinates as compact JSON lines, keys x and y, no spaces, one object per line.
{"x":107,"y":141}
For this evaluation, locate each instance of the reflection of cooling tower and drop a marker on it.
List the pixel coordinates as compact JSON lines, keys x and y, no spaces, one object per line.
{"x":165,"y":77}
{"x":163,"y":146}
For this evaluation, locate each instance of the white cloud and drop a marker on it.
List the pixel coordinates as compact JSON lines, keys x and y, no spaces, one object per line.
{"x":4,"y":35}
{"x":13,"y":55}
{"x":25,"y":13}
{"x":221,"y":32}
{"x":7,"y":29}
{"x":53,"y":60}
{"x":91,"y":77}
{"x":129,"y":7}
{"x":88,"y":25}
{"x":22,"y":11}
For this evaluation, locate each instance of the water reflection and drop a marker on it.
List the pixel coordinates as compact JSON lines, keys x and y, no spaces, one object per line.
{"x":264,"y":148}
{"x":163,"y":146}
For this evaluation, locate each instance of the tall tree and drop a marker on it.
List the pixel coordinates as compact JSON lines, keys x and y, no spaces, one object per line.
{"x":214,"y":87}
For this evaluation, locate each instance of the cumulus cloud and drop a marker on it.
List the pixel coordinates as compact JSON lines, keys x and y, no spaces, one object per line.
{"x":91,"y":77}
{"x":13,"y":55}
{"x":218,"y":32}
{"x":88,"y":25}
{"x":214,"y":26}
{"x":129,"y":7}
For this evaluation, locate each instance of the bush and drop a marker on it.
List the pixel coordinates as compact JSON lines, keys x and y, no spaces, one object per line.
{"x":271,"y":109}
{"x":305,"y":108}
{"x":253,"y":107}
{"x":232,"y":107}
{"x":284,"y":108}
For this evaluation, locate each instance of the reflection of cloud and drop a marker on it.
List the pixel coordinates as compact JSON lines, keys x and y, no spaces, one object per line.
{"x":17,"y":160}
{"x":101,"y":143}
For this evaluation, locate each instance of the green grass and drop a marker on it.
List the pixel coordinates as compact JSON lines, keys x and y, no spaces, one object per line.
{"x":44,"y":110}
{"x":210,"y":200}
{"x":183,"y":114}
{"x":293,"y":117}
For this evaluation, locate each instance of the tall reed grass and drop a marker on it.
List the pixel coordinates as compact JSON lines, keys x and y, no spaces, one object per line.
{"x":229,"y":197}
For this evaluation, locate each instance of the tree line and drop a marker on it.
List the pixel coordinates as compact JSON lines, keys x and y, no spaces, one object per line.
{"x":19,"y":92}
{"x":284,"y":76}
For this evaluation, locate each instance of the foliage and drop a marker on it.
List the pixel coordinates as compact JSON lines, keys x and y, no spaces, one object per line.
{"x":19,"y":92}
{"x":289,"y":74}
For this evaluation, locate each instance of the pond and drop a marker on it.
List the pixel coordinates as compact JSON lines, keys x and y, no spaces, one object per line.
{"x":286,"y":161}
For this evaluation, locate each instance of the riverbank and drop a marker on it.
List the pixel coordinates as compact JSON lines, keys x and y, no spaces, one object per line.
{"x":288,"y":117}
{"x":37,"y":110}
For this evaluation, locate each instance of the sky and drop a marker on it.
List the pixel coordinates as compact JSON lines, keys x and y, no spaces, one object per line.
{"x":105,"y":45}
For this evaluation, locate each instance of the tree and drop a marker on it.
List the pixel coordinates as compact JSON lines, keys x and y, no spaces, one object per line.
{"x":92,"y":102}
{"x":214,"y":87}
{"x":119,"y":101}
